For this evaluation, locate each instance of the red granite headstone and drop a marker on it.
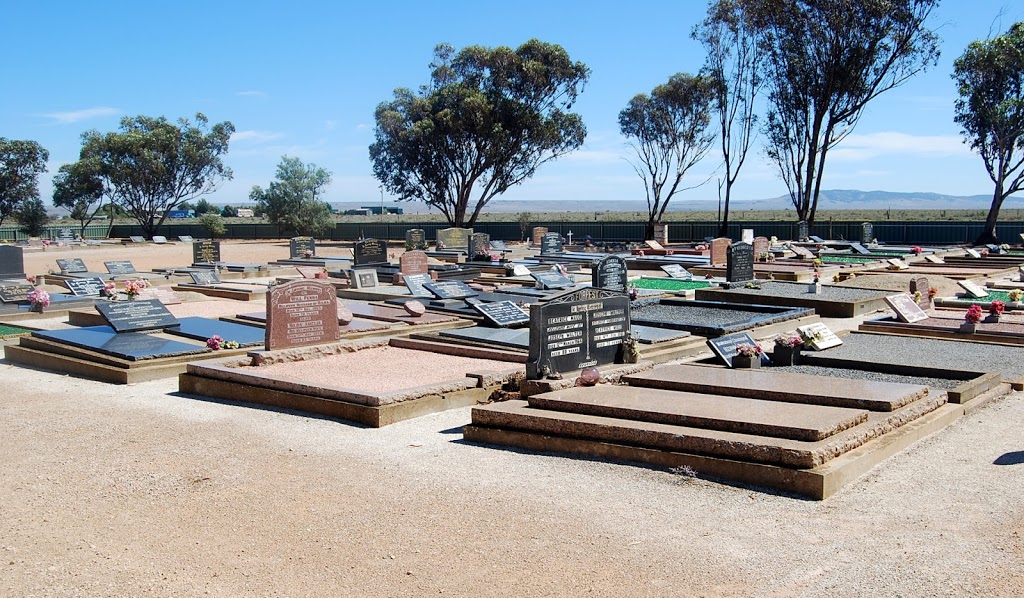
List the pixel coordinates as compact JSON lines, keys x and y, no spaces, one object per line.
{"x":761,"y":248}
{"x":720,"y":251}
{"x":413,"y":262}
{"x":538,"y":234}
{"x":299,"y":313}
{"x":919,"y":284}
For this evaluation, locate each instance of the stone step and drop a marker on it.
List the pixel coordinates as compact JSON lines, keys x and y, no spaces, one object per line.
{"x":781,"y":386}
{"x":714,"y":412}
{"x":519,"y":416}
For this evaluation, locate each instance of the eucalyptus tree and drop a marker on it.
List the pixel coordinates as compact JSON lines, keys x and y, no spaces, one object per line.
{"x":21,"y":163}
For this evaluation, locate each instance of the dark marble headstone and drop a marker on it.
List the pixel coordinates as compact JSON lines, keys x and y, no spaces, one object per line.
{"x":503,"y":313}
{"x":551,"y":243}
{"x":867,"y":233}
{"x":676,"y":271}
{"x":303,"y":312}
{"x":15,"y":293}
{"x":120,"y":267}
{"x":454,"y":238}
{"x":499,"y":246}
{"x":919,"y":284}
{"x":552,"y":280}
{"x":132,"y":346}
{"x":609,"y":273}
{"x":480,"y":246}
{"x":205,"y":252}
{"x":72,"y":266}
{"x":132,"y":316}
{"x":370,"y":251}
{"x":575,"y":330}
{"x":415,"y":282}
{"x":299,"y":247}
{"x":415,"y":239}
{"x":204,"y":277}
{"x":413,"y":262}
{"x":450,"y":289}
{"x":537,"y":236}
{"x":85,"y":287}
{"x":720,"y":250}
{"x":201,"y":329}
{"x":761,"y":247}
{"x":725,"y":347}
{"x":12,"y":262}
{"x":803,"y":230}
{"x":739,"y":263}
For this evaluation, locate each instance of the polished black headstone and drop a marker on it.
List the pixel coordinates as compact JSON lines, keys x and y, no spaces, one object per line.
{"x":415,"y":282}
{"x":867,"y":233}
{"x":133,"y":346}
{"x":499,"y":246}
{"x":480,"y":246}
{"x":552,"y":280}
{"x":301,"y":247}
{"x":551,"y":243}
{"x":120,"y":267}
{"x":205,"y":252}
{"x":415,"y":239}
{"x":12,"y":262}
{"x":205,"y":328}
{"x":72,"y":265}
{"x":141,"y":314}
{"x":739,"y":265}
{"x":575,"y":330}
{"x":450,"y":289}
{"x":609,"y":273}
{"x":15,"y":293}
{"x":85,"y":287}
{"x":370,"y":251}
{"x":502,"y":313}
{"x":205,"y":277}
{"x":517,"y":338}
{"x":725,"y":347}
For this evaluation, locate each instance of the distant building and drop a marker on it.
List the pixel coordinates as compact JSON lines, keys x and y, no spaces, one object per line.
{"x":181,"y":214}
{"x":377,"y":210}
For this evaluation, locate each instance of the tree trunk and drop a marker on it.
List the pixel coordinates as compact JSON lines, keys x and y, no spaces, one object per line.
{"x":649,"y":230}
{"x":723,"y":228}
{"x":988,"y":234}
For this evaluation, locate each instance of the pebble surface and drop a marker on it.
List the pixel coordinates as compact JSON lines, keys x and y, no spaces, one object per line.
{"x":828,"y":292}
{"x":818,"y":370}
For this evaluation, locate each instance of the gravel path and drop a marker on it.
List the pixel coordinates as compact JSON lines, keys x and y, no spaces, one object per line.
{"x":116,"y":491}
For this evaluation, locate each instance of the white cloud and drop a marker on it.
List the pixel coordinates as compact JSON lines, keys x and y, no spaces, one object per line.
{"x":257,"y":136}
{"x":65,"y":118}
{"x":253,"y":93}
{"x":872,"y":145}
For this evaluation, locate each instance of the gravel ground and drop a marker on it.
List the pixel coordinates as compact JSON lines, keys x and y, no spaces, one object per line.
{"x":795,"y":289}
{"x":707,"y":316}
{"x":818,"y":370}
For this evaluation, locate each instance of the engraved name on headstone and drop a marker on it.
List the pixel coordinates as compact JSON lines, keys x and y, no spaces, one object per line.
{"x":119,"y":267}
{"x":300,"y":313}
{"x":480,"y":246}
{"x":867,"y":233}
{"x":677,"y":271}
{"x":454,"y":238}
{"x":919,"y":284}
{"x":552,"y":280}
{"x":972,"y":289}
{"x":551,"y":243}
{"x":450,"y":289}
{"x":609,"y":273}
{"x":206,"y":251}
{"x":85,"y":287}
{"x":905,"y":308}
{"x":299,"y":247}
{"x":72,"y":266}
{"x":415,"y":239}
{"x":370,"y":251}
{"x":724,"y":347}
{"x":762,"y":247}
{"x":132,"y":316}
{"x":205,"y":277}
{"x":818,"y":336}
{"x":415,"y":282}
{"x":739,"y":263}
{"x":413,"y":262}
{"x":15,"y":293}
{"x":503,"y":313}
{"x":575,"y":330}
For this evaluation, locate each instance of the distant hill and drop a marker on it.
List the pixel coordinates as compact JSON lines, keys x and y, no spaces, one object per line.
{"x":835,"y":199}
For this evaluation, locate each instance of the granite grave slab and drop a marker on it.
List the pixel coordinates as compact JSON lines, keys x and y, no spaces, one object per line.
{"x":137,"y":315}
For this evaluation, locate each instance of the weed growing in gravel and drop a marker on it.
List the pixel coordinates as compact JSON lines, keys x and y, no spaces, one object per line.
{"x":684,"y":471}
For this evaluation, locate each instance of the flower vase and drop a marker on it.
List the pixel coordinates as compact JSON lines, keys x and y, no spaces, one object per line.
{"x":37,"y":308}
{"x":815,"y":288}
{"x":783,"y":355}
{"x":968,"y":327}
{"x":750,"y":362}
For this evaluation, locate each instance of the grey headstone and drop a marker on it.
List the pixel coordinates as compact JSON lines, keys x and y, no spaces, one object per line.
{"x":802,"y":231}
{"x":867,"y":233}
{"x":415,"y":239}
{"x":12,"y":262}
{"x":551,"y":243}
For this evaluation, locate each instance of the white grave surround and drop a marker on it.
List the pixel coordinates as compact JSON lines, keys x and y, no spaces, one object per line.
{"x":818,"y":336}
{"x":972,"y":289}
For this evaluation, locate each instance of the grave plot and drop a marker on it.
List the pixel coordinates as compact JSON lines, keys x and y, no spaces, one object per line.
{"x":715,"y":318}
{"x":785,"y":271}
{"x":793,"y":432}
{"x":370,"y":382}
{"x":949,"y":326}
{"x":832,"y":301}
{"x":209,"y":283}
{"x":669,"y":284}
{"x":965,"y":300}
{"x":352,"y":329}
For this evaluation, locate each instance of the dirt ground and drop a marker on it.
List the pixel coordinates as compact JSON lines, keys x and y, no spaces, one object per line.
{"x":140,"y":490}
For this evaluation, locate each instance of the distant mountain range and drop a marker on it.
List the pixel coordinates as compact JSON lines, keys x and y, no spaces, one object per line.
{"x":836,"y":199}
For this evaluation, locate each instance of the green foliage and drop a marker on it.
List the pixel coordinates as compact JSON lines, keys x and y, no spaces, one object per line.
{"x":489,"y":118}
{"x":669,"y":131}
{"x":292,"y":201}
{"x":151,"y":165}
{"x":213,"y":224}
{"x":229,"y":212}
{"x":205,"y":207}
{"x":32,"y":217}
{"x":78,"y":188}
{"x":21,"y":163}
{"x":990,"y":80}
{"x":825,"y":60}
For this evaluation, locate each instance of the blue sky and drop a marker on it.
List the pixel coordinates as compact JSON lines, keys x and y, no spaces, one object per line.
{"x":303,"y":79}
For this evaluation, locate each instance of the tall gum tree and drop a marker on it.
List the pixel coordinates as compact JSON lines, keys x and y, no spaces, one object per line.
{"x":990,"y":80}
{"x":21,"y":163}
{"x":825,"y":61}
{"x":489,"y":118}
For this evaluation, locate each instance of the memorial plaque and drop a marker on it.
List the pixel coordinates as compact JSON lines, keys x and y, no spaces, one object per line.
{"x":415,"y":239}
{"x":415,"y":282}
{"x":66,"y":235}
{"x":724,"y":347}
{"x":762,"y":247}
{"x":747,"y":236}
{"x":85,"y":287}
{"x":972,"y":289}
{"x":551,"y":243}
{"x":802,"y":231}
{"x":299,"y":247}
{"x":185,"y":238}
{"x":739,"y":263}
{"x":300,"y":313}
{"x":898,"y":263}
{"x":816,"y":239}
{"x":137,"y":239}
{"x":860,"y":249}
{"x":499,"y":246}
{"x":919,"y":284}
{"x":802,"y":252}
{"x":575,"y":330}
{"x":12,"y":262}
{"x":520,"y":270}
{"x":120,"y":267}
{"x":450,"y":289}
{"x":503,"y":313}
{"x":867,"y":233}
{"x":654,"y":245}
{"x":905,"y":308}
{"x":15,"y":293}
{"x":538,"y":235}
{"x":818,"y":336}
{"x":364,"y":279}
{"x":72,"y":266}
{"x":413,"y":262}
{"x":205,"y":277}
{"x":972,"y":252}
{"x":370,"y":251}
{"x":609,"y":273}
{"x":133,"y":316}
{"x":677,"y":271}
{"x":480,"y":246}
{"x":161,"y":294}
{"x":159,"y":239}
{"x":205,"y":252}
{"x":552,"y":280}
{"x":720,"y":251}
{"x":934,"y":259}
{"x":454,"y":238}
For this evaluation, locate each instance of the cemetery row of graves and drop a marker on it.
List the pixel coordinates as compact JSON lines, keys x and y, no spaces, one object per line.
{"x":757,"y":361}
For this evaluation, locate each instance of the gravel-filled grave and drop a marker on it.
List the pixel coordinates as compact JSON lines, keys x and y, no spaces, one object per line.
{"x":799,"y":290}
{"x":818,"y":370}
{"x":709,"y":318}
